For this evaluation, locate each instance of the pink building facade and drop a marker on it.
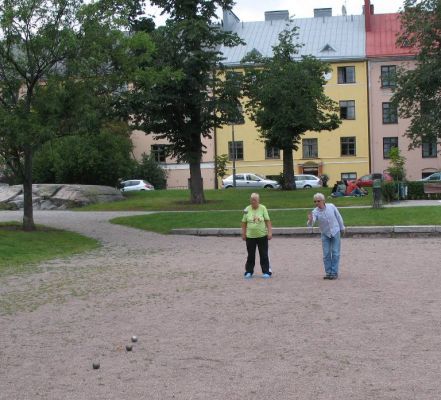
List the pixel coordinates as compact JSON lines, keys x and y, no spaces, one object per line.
{"x":386,"y":129}
{"x":178,"y":174}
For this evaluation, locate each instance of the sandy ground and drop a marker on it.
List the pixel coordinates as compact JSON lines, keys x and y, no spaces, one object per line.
{"x":206,"y":333}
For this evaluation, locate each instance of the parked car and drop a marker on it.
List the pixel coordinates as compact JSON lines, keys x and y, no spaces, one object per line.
{"x":249,"y":180}
{"x":436,"y":176}
{"x":307,"y":181}
{"x":134,"y":185}
{"x":368,"y":180}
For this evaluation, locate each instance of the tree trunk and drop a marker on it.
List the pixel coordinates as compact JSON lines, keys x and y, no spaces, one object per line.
{"x":196,"y":184}
{"x":28,"y":212}
{"x":288,"y":170}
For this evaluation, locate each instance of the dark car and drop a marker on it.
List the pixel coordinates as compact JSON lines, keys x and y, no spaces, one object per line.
{"x":368,"y":180}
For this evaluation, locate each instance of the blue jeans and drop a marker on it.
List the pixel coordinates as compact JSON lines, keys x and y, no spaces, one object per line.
{"x":331,"y":253}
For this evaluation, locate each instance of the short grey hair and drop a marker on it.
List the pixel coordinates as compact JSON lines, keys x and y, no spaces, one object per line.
{"x":255,"y":196}
{"x":319,"y":196}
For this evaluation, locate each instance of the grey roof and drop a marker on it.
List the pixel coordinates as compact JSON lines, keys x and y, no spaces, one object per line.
{"x":327,"y":38}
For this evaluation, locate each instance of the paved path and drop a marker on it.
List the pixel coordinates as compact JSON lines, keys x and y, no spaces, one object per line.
{"x":205,"y":333}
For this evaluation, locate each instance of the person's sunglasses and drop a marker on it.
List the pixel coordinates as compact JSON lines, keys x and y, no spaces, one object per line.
{"x":317,"y":201}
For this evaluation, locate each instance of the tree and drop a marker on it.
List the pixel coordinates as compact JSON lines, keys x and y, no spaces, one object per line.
{"x":396,"y":168}
{"x":60,"y":49}
{"x":183,"y":109}
{"x":89,"y":159}
{"x":149,"y":169}
{"x":287,"y":99}
{"x":417,"y":94}
{"x":221,"y":165}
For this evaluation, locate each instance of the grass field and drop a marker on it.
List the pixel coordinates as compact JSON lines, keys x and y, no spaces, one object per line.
{"x":20,"y":250}
{"x":230,"y":199}
{"x":164,"y":222}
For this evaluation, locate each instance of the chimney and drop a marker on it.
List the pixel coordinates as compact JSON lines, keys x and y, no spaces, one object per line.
{"x":322,"y":12}
{"x":229,"y":20}
{"x":368,"y":10}
{"x":277,"y":15}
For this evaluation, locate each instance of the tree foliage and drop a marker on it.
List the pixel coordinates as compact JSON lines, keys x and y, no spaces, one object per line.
{"x":418,"y":92}
{"x":221,"y":165}
{"x":286,"y":98}
{"x":63,"y":65}
{"x":150,"y":170}
{"x":89,"y":159}
{"x":182,"y":108}
{"x":397,"y":163}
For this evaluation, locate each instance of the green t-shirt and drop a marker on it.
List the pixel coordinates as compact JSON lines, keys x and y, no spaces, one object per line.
{"x":255,"y":220}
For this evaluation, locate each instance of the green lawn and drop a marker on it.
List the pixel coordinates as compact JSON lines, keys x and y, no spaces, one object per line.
{"x":19,"y":249}
{"x":230,"y":199}
{"x":164,"y":222}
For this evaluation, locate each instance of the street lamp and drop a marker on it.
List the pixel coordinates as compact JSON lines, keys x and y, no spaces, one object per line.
{"x":238,"y":119}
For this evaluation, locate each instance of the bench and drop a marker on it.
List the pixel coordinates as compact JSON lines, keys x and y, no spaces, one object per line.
{"x":432,"y":188}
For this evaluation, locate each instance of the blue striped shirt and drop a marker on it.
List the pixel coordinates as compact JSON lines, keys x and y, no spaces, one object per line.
{"x":329,"y":220}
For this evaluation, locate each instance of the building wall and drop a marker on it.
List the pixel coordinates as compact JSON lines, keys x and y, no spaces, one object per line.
{"x":416,"y":165}
{"x":329,"y":154}
{"x":329,"y":160}
{"x":177,"y":173}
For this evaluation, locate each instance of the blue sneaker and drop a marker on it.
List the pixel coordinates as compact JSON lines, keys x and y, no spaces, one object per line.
{"x":248,"y":275}
{"x":266,"y":276}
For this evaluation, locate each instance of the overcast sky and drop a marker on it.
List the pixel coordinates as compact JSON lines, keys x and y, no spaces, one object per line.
{"x":253,"y":10}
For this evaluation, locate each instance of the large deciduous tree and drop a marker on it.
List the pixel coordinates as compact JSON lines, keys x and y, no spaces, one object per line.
{"x":418,"y":91}
{"x":183,"y":110}
{"x":60,"y":50}
{"x":286,"y":98}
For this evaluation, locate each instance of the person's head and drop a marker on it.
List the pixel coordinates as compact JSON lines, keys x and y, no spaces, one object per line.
{"x":319,"y":200}
{"x":254,"y":200}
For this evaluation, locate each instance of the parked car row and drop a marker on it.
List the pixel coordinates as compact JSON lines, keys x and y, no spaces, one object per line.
{"x":249,"y":180}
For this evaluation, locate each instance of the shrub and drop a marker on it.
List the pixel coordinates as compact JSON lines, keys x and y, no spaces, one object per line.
{"x":99,"y":159}
{"x":150,"y":170}
{"x":389,"y":190}
{"x":415,"y":190}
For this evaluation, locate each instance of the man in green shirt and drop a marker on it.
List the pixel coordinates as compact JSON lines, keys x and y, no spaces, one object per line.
{"x":256,"y":231}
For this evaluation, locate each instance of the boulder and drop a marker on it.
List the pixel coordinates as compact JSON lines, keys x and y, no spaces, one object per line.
{"x":58,"y":196}
{"x":7,"y":193}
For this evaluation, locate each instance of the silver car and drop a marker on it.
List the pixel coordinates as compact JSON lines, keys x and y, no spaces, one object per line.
{"x":248,"y":180}
{"x":136,"y":185}
{"x":307,"y":181}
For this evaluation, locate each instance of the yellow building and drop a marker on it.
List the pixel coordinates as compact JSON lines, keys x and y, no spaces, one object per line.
{"x":339,"y":40}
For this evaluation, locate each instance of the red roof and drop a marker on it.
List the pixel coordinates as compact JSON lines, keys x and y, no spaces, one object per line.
{"x":382,"y":37}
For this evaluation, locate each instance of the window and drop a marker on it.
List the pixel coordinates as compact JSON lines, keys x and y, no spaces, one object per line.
{"x":348,"y":176}
{"x":388,"y":144}
{"x":388,"y":74}
{"x":159,"y":151}
{"x":347,"y":146}
{"x":238,"y":152}
{"x":390,"y":115}
{"x":310,"y":148}
{"x":347,"y":109}
{"x":252,"y":177}
{"x":346,"y":74}
{"x":272,"y":152}
{"x":429,"y":149}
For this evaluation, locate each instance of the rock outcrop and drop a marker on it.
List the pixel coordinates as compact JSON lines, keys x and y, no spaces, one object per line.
{"x":58,"y":196}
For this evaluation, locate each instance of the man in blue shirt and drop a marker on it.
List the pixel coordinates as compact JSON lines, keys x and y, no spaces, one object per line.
{"x":331,"y":227}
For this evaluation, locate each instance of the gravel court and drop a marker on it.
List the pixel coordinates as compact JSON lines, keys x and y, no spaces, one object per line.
{"x":206,"y":333}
